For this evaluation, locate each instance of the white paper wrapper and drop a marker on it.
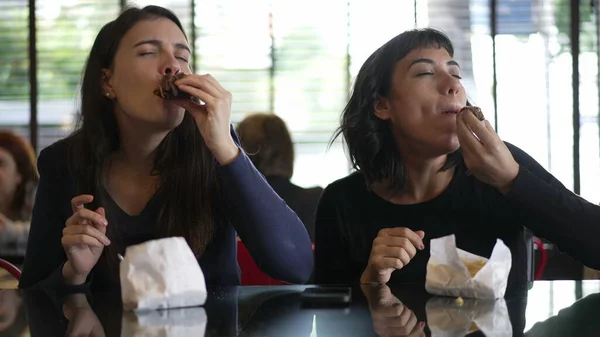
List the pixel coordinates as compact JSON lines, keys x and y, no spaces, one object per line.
{"x":161,"y":274}
{"x":446,"y":318}
{"x":447,"y":274}
{"x":164,"y":323}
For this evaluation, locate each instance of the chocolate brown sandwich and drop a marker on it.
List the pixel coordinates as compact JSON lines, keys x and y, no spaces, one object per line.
{"x":169,"y":91}
{"x":475,"y":110}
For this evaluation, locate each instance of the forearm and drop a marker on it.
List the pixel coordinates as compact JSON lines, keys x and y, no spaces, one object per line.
{"x":272,"y":232}
{"x":555,"y":213}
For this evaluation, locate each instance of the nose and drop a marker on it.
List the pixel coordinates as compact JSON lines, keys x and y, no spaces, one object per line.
{"x":170,"y":66}
{"x":451,"y":85}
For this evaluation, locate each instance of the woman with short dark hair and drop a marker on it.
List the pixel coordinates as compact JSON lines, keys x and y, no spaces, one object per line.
{"x":427,"y":168}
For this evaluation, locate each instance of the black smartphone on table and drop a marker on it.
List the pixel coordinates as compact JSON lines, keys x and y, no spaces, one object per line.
{"x":324,"y":296}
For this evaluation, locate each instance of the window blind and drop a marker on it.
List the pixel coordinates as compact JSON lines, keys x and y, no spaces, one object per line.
{"x":589,"y":145}
{"x":65,"y":32}
{"x":14,"y":66}
{"x":300,"y":60}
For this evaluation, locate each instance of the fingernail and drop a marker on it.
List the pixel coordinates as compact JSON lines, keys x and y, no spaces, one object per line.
{"x":421,"y":247}
{"x":107,"y":241}
{"x":421,"y":325}
{"x":105,"y":222}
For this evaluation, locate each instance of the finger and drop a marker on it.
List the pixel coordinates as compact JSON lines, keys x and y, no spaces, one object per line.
{"x":405,"y":254}
{"x":199,"y":93}
{"x":191,"y":106}
{"x":391,"y":310}
{"x":421,"y":234}
{"x":491,"y":129}
{"x":79,"y":201}
{"x":81,"y":239}
{"x":86,"y":230}
{"x":101,"y":211}
{"x":201,"y":82}
{"x":401,"y":325}
{"x":416,"y":240}
{"x":418,"y":330}
{"x":407,"y":319}
{"x":477,"y":127}
{"x":85,"y":214}
{"x":216,"y":84}
{"x":383,"y":262}
{"x":466,"y":138}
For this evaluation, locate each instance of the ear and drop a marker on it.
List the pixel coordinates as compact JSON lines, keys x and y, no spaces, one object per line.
{"x":19,"y":178}
{"x":107,"y":88}
{"x":382,"y":108}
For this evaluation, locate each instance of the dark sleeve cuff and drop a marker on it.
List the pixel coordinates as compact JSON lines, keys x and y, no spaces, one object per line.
{"x":57,"y":283}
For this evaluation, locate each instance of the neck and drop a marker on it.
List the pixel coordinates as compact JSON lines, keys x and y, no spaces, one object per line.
{"x":424,"y":181}
{"x":137,"y":148}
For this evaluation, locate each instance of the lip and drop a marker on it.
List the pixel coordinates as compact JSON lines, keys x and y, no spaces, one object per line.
{"x":452,"y":108}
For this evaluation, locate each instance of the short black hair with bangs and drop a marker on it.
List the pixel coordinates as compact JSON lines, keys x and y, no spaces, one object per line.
{"x":368,"y":139}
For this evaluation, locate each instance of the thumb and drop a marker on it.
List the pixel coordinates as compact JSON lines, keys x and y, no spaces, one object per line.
{"x":102,"y":212}
{"x":489,"y":126}
{"x":421,"y":234}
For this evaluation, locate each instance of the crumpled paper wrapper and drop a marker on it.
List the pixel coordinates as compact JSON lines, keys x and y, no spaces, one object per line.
{"x":181,"y":322}
{"x":455,"y":272}
{"x":161,"y":274}
{"x":447,"y":318}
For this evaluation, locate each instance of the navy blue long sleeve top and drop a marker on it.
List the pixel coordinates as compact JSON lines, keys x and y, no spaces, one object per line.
{"x":274,"y":235}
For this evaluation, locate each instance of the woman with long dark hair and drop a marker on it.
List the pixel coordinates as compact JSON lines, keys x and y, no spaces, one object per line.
{"x":140,"y":167}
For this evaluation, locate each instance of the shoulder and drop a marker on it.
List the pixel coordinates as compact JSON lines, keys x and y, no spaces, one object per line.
{"x":347,"y":189}
{"x":54,"y":157}
{"x":353,"y":182}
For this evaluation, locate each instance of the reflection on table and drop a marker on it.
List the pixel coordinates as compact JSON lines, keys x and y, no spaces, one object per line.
{"x":279,"y":311}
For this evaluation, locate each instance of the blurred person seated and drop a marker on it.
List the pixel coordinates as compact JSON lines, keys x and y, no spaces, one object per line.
{"x":266,"y":139}
{"x":13,"y":319}
{"x":18,"y":179}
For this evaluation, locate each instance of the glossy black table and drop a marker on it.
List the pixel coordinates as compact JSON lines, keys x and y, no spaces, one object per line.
{"x":559,"y":308}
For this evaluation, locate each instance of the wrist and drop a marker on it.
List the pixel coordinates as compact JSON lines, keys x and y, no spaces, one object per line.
{"x":72,"y":303}
{"x":510,"y":181}
{"x":369,"y":277}
{"x":71,"y":277}
{"x":226,"y":153}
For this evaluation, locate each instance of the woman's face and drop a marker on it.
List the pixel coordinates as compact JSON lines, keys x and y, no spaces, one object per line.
{"x":425,"y":95}
{"x":151,"y":48}
{"x":10,"y":177}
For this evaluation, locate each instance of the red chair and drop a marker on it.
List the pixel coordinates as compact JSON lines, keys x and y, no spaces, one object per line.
{"x":251,"y":274}
{"x":543,"y":258}
{"x":11,"y":268}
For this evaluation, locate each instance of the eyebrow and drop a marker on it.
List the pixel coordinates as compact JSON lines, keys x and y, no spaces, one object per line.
{"x":159,"y":43}
{"x":429,"y":61}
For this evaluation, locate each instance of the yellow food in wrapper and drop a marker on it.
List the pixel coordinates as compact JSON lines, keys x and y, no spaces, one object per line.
{"x":473,"y":266}
{"x":473,"y":328}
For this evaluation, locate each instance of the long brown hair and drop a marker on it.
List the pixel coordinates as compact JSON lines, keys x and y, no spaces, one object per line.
{"x":24,"y":157}
{"x":186,"y":167}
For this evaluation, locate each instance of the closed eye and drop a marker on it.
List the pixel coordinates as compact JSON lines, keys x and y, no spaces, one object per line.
{"x":182,"y":58}
{"x":424,"y":74}
{"x":458,"y":76}
{"x":147,"y":53}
